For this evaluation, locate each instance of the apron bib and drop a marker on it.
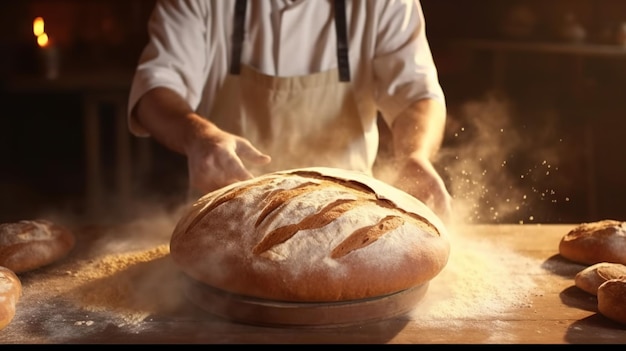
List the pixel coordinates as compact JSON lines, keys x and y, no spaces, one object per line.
{"x":300,"y":121}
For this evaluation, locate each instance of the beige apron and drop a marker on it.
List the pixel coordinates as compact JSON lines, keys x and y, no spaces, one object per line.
{"x":300,"y":121}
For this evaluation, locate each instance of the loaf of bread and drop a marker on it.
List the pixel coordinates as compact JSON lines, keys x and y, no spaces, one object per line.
{"x":612,"y":299}
{"x":10,"y":293}
{"x":30,"y":244}
{"x":595,"y":242}
{"x":310,"y":235}
{"x":590,"y":278}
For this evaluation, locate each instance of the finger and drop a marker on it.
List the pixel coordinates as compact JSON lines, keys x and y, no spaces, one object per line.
{"x":247,"y":151}
{"x":230,"y":171}
{"x":235,"y":170}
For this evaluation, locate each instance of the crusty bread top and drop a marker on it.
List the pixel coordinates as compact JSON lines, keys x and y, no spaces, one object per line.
{"x":27,"y":231}
{"x":590,"y":278}
{"x":595,"y":242}
{"x":30,"y":244}
{"x":597,"y":230}
{"x":612,"y":299}
{"x":311,"y":234}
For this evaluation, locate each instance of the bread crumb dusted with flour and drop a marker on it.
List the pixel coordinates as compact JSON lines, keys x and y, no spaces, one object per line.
{"x":87,"y":323}
{"x":132,"y":285}
{"x":111,"y":264}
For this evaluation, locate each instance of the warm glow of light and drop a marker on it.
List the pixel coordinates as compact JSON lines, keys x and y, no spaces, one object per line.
{"x":38,"y":26}
{"x":40,"y":33}
{"x":43,"y":40}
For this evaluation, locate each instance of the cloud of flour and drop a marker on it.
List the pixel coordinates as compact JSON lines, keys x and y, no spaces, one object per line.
{"x":501,"y":167}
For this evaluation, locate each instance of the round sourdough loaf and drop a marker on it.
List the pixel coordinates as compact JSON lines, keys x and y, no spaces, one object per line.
{"x":595,"y":242}
{"x":612,"y":299}
{"x":30,"y":244}
{"x":10,"y":293}
{"x":590,"y":278}
{"x":310,"y":235}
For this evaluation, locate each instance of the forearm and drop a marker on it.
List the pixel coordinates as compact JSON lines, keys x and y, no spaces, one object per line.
{"x":169,"y":119}
{"x":418,"y":131}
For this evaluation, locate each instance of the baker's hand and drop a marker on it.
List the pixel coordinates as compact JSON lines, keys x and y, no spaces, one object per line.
{"x":419,"y":178}
{"x":216,"y":158}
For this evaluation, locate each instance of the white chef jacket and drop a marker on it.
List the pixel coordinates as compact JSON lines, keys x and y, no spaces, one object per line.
{"x":189,"y":50}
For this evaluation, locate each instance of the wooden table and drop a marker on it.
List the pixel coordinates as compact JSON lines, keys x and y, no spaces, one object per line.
{"x":504,"y":284}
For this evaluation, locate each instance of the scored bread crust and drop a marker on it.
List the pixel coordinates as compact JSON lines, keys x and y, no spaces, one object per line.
{"x":311,"y":235}
{"x":595,"y":242}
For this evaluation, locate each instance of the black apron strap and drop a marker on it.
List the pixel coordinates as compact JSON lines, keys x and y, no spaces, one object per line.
{"x":342,"y":40}
{"x":343,"y":60}
{"x":239,"y":22}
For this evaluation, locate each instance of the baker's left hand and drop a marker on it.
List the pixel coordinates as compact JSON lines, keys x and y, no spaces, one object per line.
{"x":418,"y":177}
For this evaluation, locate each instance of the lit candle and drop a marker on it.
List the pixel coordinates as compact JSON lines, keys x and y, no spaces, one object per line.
{"x":48,"y":52}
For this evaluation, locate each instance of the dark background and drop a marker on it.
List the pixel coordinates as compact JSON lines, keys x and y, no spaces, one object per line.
{"x":539,"y":139}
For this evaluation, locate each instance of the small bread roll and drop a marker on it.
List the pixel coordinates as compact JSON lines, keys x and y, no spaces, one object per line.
{"x":595,"y":242}
{"x":10,"y":292}
{"x":590,"y":278}
{"x":31,"y":244}
{"x":612,"y":299}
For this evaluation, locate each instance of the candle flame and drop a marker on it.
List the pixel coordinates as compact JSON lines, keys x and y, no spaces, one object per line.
{"x":43,"y":40}
{"x":40,"y":33}
{"x":38,"y":26}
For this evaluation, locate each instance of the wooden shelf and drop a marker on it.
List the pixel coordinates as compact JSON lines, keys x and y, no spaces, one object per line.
{"x":97,"y":87}
{"x":69,"y":81}
{"x":502,"y":52}
{"x":579,"y":49}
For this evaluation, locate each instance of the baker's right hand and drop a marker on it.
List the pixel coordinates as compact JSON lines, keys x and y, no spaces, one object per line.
{"x":215,"y":158}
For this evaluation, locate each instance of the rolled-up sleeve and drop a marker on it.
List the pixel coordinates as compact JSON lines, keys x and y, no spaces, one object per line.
{"x":175,"y":56}
{"x":404,"y":70}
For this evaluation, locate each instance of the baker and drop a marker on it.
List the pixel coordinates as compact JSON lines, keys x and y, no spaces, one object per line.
{"x":242,"y":88}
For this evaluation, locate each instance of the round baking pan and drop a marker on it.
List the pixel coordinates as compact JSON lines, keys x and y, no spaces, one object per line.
{"x":250,"y":310}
